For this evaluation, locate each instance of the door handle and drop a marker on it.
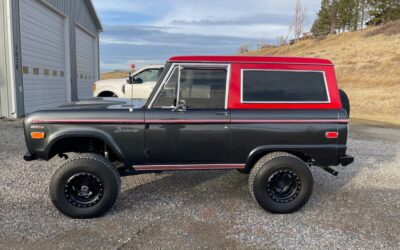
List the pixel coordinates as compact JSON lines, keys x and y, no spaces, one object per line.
{"x":222,"y":113}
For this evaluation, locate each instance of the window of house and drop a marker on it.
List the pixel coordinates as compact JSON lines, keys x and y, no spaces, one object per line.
{"x":263,"y":86}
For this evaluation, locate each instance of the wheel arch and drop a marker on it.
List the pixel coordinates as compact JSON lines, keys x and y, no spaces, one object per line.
{"x":96,"y":135}
{"x":107,"y":93}
{"x":261,"y":151}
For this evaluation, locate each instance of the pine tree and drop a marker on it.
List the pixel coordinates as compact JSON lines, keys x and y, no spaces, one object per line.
{"x":348,"y":14}
{"x":383,"y":11}
{"x":327,"y":21}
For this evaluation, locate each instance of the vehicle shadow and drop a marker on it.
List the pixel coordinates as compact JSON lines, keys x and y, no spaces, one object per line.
{"x":170,"y":187}
{"x":201,"y":186}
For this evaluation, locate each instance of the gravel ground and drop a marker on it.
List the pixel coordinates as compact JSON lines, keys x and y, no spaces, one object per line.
{"x":358,"y":209}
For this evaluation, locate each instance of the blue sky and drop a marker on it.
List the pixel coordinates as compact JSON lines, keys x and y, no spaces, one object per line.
{"x":150,"y":31}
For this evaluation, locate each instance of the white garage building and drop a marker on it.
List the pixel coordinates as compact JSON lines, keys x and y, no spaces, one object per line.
{"x":49,"y":53}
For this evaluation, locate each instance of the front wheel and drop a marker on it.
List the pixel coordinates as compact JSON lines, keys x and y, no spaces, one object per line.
{"x":281,"y":183}
{"x":85,"y":187}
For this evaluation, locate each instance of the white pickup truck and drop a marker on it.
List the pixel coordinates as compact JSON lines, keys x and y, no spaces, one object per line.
{"x":142,"y":83}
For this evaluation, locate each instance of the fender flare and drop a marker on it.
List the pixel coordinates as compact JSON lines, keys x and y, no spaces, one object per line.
{"x":322,"y":154}
{"x":87,"y":133}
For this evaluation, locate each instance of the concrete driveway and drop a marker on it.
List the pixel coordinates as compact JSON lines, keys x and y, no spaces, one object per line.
{"x":182,"y":210}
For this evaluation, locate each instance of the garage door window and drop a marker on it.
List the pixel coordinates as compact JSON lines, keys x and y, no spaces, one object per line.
{"x":268,"y":86}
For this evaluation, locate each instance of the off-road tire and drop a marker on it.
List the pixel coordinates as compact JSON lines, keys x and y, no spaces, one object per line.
{"x":345,"y":101}
{"x":92,"y":164}
{"x":267,"y":167}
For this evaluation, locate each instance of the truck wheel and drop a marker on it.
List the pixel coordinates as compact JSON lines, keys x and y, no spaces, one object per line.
{"x":85,"y":187}
{"x":281,"y":183}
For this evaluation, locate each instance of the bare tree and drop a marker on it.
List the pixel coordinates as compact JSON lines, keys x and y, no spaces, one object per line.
{"x":299,"y":19}
{"x":281,"y":41}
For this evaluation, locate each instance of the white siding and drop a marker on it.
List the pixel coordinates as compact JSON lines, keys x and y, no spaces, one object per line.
{"x":42,"y":47}
{"x":86,"y":63}
{"x":4,"y":52}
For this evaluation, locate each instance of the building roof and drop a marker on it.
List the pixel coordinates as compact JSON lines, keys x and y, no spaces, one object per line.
{"x":93,"y":12}
{"x":251,"y":59}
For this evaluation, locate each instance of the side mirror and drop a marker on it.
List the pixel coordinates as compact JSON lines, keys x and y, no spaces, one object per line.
{"x":138,"y":80}
{"x":181,"y":106}
{"x":130,"y":79}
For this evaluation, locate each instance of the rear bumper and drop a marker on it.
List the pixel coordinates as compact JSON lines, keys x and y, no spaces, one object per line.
{"x":346,"y":160}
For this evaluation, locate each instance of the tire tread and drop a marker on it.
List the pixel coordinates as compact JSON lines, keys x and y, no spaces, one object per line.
{"x":88,"y":156}
{"x":259,"y":164}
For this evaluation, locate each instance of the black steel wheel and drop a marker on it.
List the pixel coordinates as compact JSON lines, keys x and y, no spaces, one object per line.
{"x":86,"y":186}
{"x":283,"y":186}
{"x":281,"y":183}
{"x":84,"y":190}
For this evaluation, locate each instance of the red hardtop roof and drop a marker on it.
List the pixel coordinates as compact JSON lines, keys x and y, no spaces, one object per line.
{"x":251,"y":59}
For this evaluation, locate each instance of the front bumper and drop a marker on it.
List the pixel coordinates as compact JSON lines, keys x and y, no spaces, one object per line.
{"x":29,"y":157}
{"x":346,"y":160}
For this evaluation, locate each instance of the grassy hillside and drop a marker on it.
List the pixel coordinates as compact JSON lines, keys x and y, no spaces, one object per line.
{"x":367,"y":66}
{"x":118,"y":74}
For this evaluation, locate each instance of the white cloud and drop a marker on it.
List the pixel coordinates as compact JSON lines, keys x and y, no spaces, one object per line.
{"x":177,"y":15}
{"x":150,"y":31}
{"x":196,"y":11}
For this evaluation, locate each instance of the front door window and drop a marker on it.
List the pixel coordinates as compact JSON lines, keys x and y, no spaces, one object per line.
{"x":199,"y":88}
{"x":203,"y":88}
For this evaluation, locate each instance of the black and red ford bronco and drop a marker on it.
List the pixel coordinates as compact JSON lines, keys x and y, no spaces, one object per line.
{"x":270,"y":117}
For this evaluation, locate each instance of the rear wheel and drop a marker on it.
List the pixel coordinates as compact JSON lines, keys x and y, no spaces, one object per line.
{"x":345,"y":101}
{"x":281,"y":183}
{"x":85,"y":187}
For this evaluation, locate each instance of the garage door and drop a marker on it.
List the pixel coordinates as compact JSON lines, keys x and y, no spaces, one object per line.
{"x":43,"y":56}
{"x":86,"y":63}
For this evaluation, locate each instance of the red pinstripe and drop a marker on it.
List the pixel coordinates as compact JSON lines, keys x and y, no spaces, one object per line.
{"x":188,"y":167}
{"x":198,"y":121}
{"x":91,"y":121}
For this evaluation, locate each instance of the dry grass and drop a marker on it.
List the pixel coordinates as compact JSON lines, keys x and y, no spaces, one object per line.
{"x":119,"y":74}
{"x":387,"y":29}
{"x":367,"y":67}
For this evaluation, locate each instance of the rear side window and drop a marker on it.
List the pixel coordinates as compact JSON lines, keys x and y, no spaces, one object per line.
{"x":269,"y":86}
